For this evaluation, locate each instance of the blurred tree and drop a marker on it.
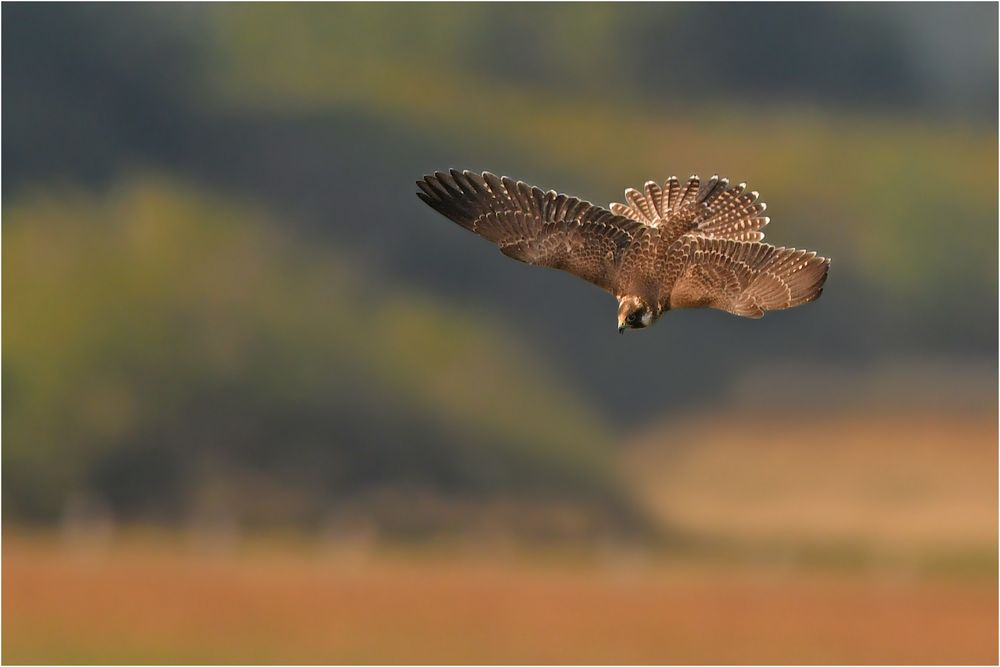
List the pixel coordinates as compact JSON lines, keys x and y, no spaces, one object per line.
{"x":163,"y":348}
{"x":92,"y":88}
{"x":773,"y":53}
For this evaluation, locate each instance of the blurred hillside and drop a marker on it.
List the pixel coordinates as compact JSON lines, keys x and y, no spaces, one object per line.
{"x":274,"y":324}
{"x":175,"y":352}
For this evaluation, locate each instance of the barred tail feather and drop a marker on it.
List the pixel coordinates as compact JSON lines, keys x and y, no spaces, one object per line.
{"x":713,"y":208}
{"x":732,"y":212}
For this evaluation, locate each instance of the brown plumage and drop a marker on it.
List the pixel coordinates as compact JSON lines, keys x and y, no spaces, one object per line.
{"x":680,"y":245}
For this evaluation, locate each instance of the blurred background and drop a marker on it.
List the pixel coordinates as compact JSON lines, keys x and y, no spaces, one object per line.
{"x":261,"y":404}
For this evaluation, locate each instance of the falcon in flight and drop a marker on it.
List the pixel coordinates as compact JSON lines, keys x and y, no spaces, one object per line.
{"x":679,"y":245}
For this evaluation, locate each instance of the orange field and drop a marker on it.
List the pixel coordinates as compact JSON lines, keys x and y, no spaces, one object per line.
{"x":139,"y":603}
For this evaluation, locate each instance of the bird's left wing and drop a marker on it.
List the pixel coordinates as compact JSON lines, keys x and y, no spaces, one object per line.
{"x":542,"y":228}
{"x":746,"y":279}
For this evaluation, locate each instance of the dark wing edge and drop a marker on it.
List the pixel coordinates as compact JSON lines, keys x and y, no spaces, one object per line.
{"x":541,"y":228}
{"x":745,"y":279}
{"x":714,"y":209}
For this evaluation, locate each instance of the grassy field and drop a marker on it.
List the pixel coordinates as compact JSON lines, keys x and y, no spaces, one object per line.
{"x":909,"y":483}
{"x":855,"y":540}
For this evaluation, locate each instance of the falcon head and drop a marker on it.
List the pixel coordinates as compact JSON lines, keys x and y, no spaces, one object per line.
{"x":633,"y":313}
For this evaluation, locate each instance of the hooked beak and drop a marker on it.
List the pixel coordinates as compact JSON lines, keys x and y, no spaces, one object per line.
{"x":621,"y":328}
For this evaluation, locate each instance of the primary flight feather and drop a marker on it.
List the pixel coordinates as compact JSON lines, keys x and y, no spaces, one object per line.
{"x":679,"y":245}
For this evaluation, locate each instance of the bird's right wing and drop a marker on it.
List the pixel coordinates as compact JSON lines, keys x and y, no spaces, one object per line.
{"x":542,"y":228}
{"x":745,"y":279}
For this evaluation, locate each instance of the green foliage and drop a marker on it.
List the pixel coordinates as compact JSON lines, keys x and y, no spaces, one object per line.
{"x":656,"y":54}
{"x":166,"y":350}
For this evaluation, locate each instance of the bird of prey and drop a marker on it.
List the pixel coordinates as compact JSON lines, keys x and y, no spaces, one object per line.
{"x":679,"y":245}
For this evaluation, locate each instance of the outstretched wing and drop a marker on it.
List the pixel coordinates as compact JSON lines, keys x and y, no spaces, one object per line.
{"x":532,"y":226}
{"x":715,"y":210}
{"x":745,"y":279}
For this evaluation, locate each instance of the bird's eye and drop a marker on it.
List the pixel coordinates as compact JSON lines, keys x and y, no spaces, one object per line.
{"x":633,"y":317}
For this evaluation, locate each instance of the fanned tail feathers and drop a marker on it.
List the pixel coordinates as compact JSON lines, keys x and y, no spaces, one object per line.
{"x":713,"y":210}
{"x":731,"y":212}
